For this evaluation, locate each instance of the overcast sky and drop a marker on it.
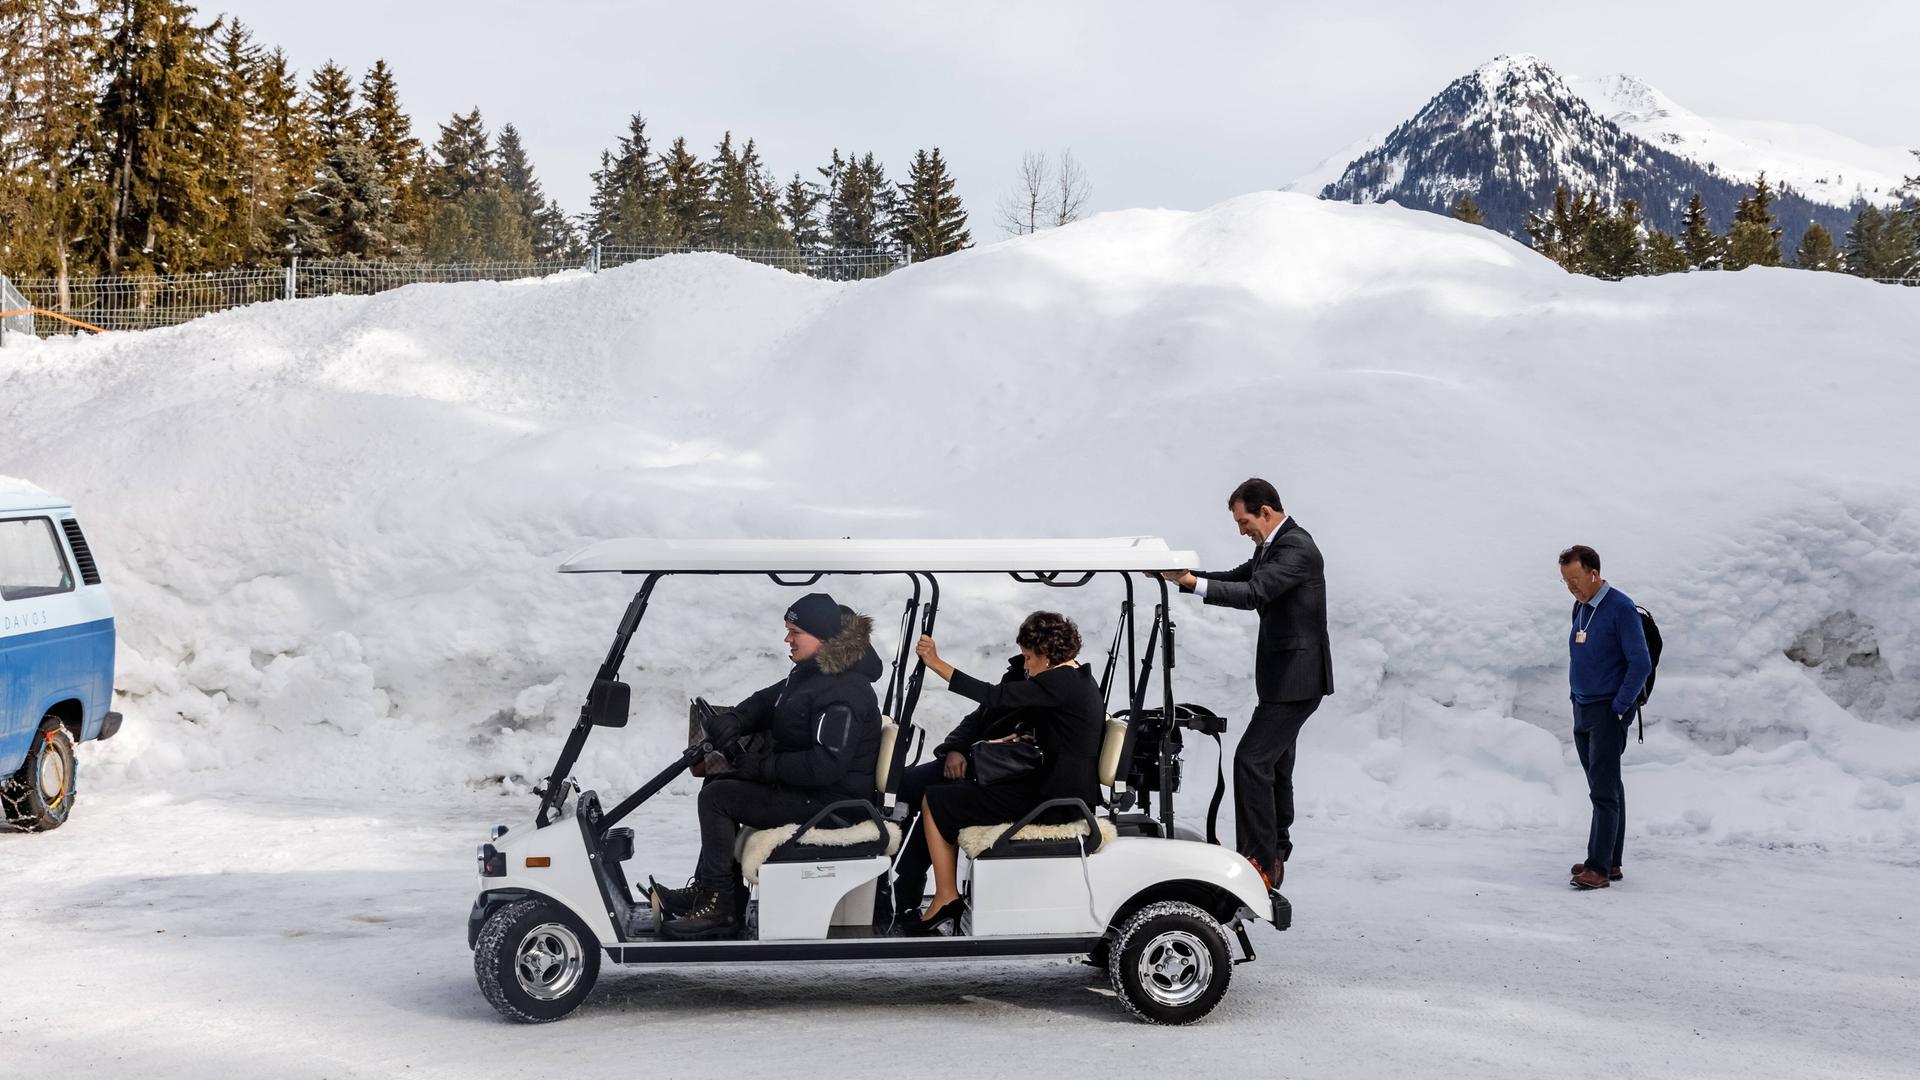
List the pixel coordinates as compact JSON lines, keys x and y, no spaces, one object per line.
{"x":1177,"y":104}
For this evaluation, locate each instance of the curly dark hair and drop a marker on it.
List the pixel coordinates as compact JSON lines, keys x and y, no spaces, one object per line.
{"x":1051,"y":635}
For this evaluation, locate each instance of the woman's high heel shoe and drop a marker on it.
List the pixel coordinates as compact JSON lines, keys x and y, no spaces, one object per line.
{"x":948,"y":915}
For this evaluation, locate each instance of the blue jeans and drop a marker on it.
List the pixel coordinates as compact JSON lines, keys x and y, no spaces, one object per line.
{"x":1600,"y":739}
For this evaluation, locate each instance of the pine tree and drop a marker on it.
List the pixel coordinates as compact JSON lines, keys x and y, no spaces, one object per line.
{"x":238,"y":159}
{"x":1816,"y":250}
{"x":627,"y":204}
{"x":330,"y":104}
{"x":1753,"y":240}
{"x":388,"y":131}
{"x":1665,"y":255}
{"x":549,"y":234}
{"x":686,"y":201}
{"x":861,"y":204}
{"x":1902,"y":239}
{"x":800,"y":206}
{"x":1697,"y":237}
{"x":1465,"y":209}
{"x":287,"y":137}
{"x":463,"y":159}
{"x":932,"y":221}
{"x":48,"y":125}
{"x":732,"y":193}
{"x":349,"y":209}
{"x":155,"y":105}
{"x":1562,"y":234}
{"x":1867,"y":251}
{"x":1614,"y":248}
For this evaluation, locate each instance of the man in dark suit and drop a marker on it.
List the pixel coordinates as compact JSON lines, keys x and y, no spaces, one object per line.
{"x":1286,"y":583}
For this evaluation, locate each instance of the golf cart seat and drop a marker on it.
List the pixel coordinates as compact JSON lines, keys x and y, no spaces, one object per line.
{"x":1038,"y":840}
{"x":823,"y":843}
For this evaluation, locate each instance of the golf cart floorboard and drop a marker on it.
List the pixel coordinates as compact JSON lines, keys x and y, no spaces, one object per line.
{"x":849,"y":948}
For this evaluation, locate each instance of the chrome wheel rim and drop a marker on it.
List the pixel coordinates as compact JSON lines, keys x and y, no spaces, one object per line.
{"x":1175,"y":968}
{"x":549,"y":961}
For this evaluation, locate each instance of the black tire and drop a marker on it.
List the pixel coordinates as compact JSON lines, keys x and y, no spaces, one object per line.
{"x":1169,"y":963}
{"x":535,"y":962}
{"x":40,"y":796}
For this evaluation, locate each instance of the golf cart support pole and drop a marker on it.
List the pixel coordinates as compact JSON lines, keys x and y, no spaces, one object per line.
{"x":1165,"y":620}
{"x":688,"y":759}
{"x":911,"y":699}
{"x":553,"y":789}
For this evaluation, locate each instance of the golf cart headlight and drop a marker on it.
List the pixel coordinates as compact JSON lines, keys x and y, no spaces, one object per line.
{"x":492,"y":862}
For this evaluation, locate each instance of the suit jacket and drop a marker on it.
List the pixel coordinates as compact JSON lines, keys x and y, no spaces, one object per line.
{"x":1286,"y":583}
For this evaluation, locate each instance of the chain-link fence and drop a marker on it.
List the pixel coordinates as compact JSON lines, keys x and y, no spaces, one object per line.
{"x":145,"y":301}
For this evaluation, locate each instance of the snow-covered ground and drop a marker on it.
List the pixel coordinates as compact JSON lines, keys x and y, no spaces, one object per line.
{"x":221,"y":937}
{"x":330,"y":526}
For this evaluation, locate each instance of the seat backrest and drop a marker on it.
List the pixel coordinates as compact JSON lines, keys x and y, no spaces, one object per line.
{"x":1110,"y":747}
{"x":889,"y":732}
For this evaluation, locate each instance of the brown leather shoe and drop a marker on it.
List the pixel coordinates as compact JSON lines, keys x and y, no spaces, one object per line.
{"x":1612,"y":875}
{"x":1586,"y":877}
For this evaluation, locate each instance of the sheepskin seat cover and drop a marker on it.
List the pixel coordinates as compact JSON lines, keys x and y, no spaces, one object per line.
{"x":757,"y":844}
{"x":975,"y":839}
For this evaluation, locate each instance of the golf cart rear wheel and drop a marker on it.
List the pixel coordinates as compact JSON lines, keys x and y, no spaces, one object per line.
{"x":40,"y":796}
{"x":534,"y":961}
{"x":1170,"y":963}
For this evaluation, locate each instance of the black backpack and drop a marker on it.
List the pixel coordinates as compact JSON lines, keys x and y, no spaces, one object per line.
{"x":1652,"y":630}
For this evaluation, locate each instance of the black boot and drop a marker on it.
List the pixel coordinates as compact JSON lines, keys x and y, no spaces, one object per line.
{"x":673,"y":903}
{"x":712,"y":916}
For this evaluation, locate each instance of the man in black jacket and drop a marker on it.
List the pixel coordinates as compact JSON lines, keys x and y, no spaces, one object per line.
{"x":1286,"y":583}
{"x":825,"y":726}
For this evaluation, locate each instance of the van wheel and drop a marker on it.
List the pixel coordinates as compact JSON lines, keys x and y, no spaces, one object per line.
{"x":40,"y":796}
{"x":1170,"y":963}
{"x":534,"y":961}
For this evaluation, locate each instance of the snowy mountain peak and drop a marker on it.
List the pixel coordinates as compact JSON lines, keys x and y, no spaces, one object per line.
{"x":1512,"y":130}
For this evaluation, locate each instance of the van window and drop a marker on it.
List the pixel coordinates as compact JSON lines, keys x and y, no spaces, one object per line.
{"x":31,"y":562}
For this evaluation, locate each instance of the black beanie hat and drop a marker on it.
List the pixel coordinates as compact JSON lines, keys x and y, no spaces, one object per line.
{"x":817,"y":614}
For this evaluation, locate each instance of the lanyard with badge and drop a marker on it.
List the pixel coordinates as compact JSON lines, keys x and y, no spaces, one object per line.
{"x":1580,"y":629}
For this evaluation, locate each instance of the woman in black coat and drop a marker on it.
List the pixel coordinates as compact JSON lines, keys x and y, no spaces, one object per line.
{"x":1060,"y":710}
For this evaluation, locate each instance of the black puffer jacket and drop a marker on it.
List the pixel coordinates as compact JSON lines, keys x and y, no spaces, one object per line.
{"x":824,"y":719}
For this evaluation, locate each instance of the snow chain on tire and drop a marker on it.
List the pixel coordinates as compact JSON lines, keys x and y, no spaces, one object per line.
{"x":1188,"y":925}
{"x":21,"y":799}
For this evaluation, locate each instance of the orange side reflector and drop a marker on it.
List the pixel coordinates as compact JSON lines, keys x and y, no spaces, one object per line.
{"x":537,"y":861}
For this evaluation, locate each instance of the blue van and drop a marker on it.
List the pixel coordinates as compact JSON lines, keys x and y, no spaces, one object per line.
{"x":56,"y":656}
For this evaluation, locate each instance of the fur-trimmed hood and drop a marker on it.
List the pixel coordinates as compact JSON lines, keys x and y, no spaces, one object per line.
{"x":851,"y":649}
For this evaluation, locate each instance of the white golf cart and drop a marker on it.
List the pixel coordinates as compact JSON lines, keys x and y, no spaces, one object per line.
{"x":1120,"y":887}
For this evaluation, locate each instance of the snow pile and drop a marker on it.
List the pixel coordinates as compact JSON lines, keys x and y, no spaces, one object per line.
{"x":331,"y":524}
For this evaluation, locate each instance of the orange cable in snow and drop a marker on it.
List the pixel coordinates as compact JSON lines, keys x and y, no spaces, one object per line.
{"x":51,"y":315}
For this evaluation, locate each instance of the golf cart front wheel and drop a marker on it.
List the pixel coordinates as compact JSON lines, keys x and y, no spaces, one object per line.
{"x":534,"y":961}
{"x":40,"y":796}
{"x":1170,"y":964}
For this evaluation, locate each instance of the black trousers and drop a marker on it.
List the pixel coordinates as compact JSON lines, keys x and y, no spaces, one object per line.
{"x":725,"y":805}
{"x":910,"y":872}
{"x":1263,"y":780}
{"x":1600,"y":744}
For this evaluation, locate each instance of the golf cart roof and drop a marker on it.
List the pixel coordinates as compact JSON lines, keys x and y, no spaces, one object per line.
{"x":641,"y":556}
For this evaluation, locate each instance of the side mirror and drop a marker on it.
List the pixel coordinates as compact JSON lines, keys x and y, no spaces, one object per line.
{"x":608,"y":702}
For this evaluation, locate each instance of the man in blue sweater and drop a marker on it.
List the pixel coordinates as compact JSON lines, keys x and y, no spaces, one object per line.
{"x":1609,"y":664}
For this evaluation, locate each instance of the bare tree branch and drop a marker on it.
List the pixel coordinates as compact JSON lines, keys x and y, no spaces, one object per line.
{"x":1029,"y":206}
{"x":1071,"y":191}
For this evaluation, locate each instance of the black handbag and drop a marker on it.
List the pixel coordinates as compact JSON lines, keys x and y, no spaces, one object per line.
{"x":999,"y":762}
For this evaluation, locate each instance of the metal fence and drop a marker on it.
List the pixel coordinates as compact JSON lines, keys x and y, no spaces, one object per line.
{"x":12,"y":301}
{"x":145,"y":301}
